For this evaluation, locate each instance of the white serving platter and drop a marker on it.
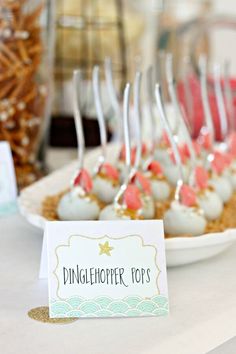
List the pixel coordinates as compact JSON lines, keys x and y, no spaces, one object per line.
{"x":179,"y":250}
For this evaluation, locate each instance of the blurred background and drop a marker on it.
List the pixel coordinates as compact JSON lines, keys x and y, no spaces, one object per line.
{"x":72,"y":34}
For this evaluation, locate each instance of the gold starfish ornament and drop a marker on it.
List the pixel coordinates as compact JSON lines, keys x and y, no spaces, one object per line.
{"x":105,"y":249}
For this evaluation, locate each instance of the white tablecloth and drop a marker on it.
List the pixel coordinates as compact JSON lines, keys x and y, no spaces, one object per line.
{"x":202,"y":307}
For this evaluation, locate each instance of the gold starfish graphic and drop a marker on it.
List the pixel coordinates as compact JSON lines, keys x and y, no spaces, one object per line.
{"x":105,"y":249}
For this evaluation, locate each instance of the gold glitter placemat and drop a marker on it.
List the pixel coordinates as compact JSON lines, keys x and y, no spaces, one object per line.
{"x":41,"y":314}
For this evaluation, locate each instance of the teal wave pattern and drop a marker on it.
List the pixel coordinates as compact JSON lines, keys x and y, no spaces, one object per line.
{"x":104,"y":306}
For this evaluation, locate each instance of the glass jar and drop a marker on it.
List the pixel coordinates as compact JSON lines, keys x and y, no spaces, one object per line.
{"x":26,"y":54}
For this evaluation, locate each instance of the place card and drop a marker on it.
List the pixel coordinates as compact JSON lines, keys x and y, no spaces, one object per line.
{"x":8,"y":189}
{"x":106,"y":268}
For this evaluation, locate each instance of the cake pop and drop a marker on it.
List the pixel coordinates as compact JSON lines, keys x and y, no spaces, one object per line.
{"x":231,"y":143}
{"x":137,"y":177}
{"x":127,"y":204}
{"x":171,"y":169}
{"x":106,"y":177}
{"x":184,"y":217}
{"x":207,"y":198}
{"x":218,"y":179}
{"x":153,"y":170}
{"x":163,"y":151}
{"x":118,"y":113}
{"x":121,"y":159}
{"x":161,"y":189}
{"x":79,"y":203}
{"x":225,"y":107}
{"x":214,"y":161}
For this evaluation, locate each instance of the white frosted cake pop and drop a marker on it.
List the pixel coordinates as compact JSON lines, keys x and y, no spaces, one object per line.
{"x":160,"y":187}
{"x":220,"y":178}
{"x":127,"y":203}
{"x":136,"y":177}
{"x":222,"y":186}
{"x":207,"y":198}
{"x":190,"y":152}
{"x":185,"y":217}
{"x":220,"y":182}
{"x":79,"y":203}
{"x":121,"y":160}
{"x":111,"y":213}
{"x":219,"y":164}
{"x":171,"y":171}
{"x":128,"y":207}
{"x":144,"y":185}
{"x":161,"y":153}
{"x":206,"y":139}
{"x":211,"y":204}
{"x":106,"y":183}
{"x":231,"y":155}
{"x":230,"y":168}
{"x":232,"y":174}
{"x":132,"y":200}
{"x":106,"y":177}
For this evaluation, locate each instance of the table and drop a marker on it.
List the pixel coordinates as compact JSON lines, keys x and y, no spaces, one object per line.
{"x":202,"y":307}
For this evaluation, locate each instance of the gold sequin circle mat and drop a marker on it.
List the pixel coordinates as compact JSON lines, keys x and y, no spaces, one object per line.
{"x":41,"y":314}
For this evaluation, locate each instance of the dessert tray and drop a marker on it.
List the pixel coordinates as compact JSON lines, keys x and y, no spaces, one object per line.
{"x":179,"y":250}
